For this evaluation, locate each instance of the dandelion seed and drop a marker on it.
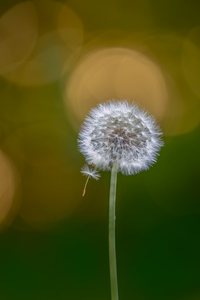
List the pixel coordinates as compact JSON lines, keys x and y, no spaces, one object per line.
{"x":90,"y":173}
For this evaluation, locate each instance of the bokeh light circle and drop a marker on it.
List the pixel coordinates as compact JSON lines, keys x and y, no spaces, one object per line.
{"x":49,"y":190}
{"x":8,"y":187}
{"x":18,"y":35}
{"x":116,"y":73}
{"x":58,"y":44}
{"x":183,"y":112}
{"x":44,"y":66}
{"x":191,"y":60}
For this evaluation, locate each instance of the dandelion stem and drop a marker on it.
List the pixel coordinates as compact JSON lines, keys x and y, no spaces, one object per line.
{"x":112,"y":249}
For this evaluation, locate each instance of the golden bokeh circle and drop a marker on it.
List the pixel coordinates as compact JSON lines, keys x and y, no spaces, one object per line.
{"x":116,"y":73}
{"x":50,"y":190}
{"x":58,"y":44}
{"x":191,"y":60}
{"x":18,"y":36}
{"x":8,"y":186}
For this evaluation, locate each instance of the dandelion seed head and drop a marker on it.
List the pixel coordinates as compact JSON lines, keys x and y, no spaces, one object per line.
{"x":88,"y":171}
{"x":120,"y":132}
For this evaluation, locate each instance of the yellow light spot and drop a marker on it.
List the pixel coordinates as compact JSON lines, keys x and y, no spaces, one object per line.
{"x":60,"y":40}
{"x":116,"y":73}
{"x":183,"y":111}
{"x":191,"y":60}
{"x":51,"y":191}
{"x":18,"y":35}
{"x":8,"y":185}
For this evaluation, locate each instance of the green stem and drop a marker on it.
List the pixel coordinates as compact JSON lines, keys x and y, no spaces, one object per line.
{"x":112,"y":250}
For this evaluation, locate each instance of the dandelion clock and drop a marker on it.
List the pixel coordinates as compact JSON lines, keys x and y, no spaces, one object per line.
{"x":118,"y":137}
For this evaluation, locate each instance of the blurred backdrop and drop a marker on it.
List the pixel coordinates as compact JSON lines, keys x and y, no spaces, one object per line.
{"x":57,"y":60}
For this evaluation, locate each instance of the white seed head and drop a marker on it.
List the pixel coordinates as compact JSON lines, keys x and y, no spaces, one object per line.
{"x":122,"y":133}
{"x":88,"y":171}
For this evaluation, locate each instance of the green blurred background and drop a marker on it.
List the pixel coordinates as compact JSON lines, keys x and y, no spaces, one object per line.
{"x":57,"y":60}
